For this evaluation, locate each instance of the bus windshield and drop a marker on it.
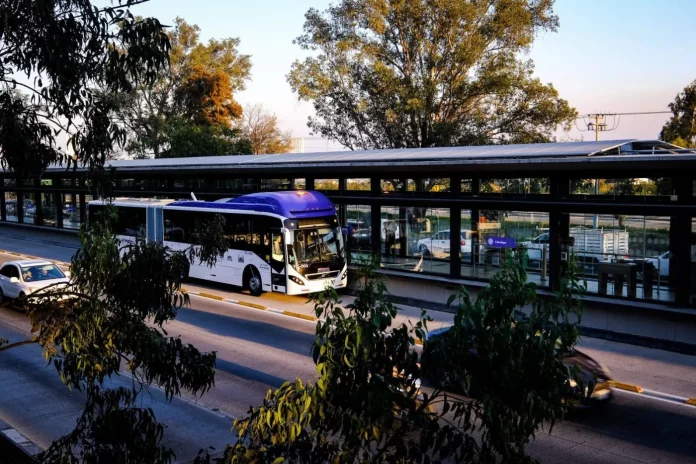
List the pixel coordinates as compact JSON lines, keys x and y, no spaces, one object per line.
{"x":318,"y":245}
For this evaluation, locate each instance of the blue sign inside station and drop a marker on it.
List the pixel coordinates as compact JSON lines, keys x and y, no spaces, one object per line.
{"x":501,"y":242}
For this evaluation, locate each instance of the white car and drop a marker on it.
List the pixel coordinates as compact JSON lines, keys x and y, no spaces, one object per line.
{"x":439,"y":244}
{"x":21,"y":278}
{"x":662,"y":263}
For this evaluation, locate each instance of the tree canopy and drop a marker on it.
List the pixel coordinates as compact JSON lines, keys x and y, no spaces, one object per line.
{"x":419,"y":73}
{"x":198,"y":87}
{"x":261,"y":128}
{"x":681,"y":127}
{"x":59,"y":54}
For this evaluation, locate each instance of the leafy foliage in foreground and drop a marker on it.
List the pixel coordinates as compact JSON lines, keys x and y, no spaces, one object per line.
{"x":111,"y":316}
{"x":367,"y":406}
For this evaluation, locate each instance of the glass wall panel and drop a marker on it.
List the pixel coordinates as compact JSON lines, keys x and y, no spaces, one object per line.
{"x":299,"y":184}
{"x":644,"y":187}
{"x":515,"y":186}
{"x":391,"y":185}
{"x":359,"y":233}
{"x":435,"y":185}
{"x":49,"y":210}
{"x":11,"y":206}
{"x":623,"y":255}
{"x":465,"y":186}
{"x":692,"y":283}
{"x":415,"y":239}
{"x":362,"y":185}
{"x":29,"y":211}
{"x":71,"y":211}
{"x":326,"y":184}
{"x":497,"y":234}
{"x":275,"y":184}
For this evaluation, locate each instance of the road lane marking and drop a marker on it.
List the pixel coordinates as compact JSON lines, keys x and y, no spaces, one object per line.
{"x":626,"y":386}
{"x":209,"y":295}
{"x":251,"y":305}
{"x":300,"y":316}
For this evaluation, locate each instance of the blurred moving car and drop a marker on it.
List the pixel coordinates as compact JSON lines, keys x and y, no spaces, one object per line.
{"x":438,"y":245}
{"x":21,"y":278}
{"x":590,"y":371}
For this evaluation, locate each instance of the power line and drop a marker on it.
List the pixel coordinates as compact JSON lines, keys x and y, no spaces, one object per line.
{"x":592,"y":115}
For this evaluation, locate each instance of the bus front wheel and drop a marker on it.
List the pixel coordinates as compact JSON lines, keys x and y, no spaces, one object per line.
{"x":253,"y":282}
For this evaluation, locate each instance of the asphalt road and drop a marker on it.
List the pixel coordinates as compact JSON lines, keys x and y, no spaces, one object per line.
{"x":259,"y":350}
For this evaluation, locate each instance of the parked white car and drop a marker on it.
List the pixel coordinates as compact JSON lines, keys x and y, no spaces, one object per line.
{"x":438,"y":245}
{"x":662,"y":263}
{"x":24,"y":277}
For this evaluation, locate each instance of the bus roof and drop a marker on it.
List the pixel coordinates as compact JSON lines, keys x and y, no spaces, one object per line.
{"x":290,"y":204}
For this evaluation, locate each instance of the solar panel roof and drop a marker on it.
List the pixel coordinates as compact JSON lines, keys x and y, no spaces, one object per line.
{"x":536,"y":150}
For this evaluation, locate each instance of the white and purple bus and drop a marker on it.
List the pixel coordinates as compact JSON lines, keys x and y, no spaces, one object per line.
{"x":288,"y":242}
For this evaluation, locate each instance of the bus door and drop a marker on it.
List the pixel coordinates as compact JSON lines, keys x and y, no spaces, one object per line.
{"x":278,"y":260}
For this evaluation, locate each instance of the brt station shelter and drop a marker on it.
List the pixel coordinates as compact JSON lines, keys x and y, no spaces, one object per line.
{"x":625,"y":208}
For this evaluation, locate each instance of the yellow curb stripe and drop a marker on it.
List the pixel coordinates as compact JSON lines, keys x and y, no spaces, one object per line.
{"x":691,"y":401}
{"x":252,"y":305}
{"x":183,"y":290}
{"x":626,"y":386}
{"x":419,"y":342}
{"x":211,"y":296}
{"x":301,"y":316}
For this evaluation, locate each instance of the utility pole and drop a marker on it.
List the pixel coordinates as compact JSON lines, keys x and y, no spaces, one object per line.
{"x":598,"y":125}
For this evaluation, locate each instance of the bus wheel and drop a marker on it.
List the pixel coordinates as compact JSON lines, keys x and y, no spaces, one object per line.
{"x":253,"y":281}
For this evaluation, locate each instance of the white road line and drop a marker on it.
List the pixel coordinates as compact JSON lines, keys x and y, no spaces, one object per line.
{"x":657,"y":396}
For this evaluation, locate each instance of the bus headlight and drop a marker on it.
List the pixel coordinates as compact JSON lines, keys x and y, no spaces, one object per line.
{"x":345,"y":274}
{"x":297,"y":280}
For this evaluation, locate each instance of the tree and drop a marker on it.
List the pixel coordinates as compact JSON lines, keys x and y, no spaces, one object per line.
{"x":681,"y":127}
{"x":366,"y":405}
{"x":205,"y":98}
{"x":186,"y":139}
{"x":420,"y":73}
{"x":203,"y":75}
{"x":261,"y":128}
{"x":69,"y":58}
{"x":59,"y":53}
{"x":112,"y":313}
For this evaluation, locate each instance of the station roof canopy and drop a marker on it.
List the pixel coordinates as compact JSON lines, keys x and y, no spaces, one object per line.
{"x":548,"y":156}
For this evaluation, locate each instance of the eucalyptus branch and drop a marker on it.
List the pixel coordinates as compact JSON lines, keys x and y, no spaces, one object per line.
{"x":16,"y":344}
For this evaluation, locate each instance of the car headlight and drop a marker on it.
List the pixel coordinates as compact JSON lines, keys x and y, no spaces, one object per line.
{"x":572,"y":383}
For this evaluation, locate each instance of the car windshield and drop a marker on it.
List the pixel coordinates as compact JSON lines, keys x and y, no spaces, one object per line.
{"x":320,"y":245}
{"x":41,"y":272}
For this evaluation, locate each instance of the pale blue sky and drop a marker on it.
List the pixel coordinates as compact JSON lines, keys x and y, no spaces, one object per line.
{"x":610,"y":56}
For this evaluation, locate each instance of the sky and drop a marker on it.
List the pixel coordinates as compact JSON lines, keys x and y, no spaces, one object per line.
{"x":607,"y":56}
